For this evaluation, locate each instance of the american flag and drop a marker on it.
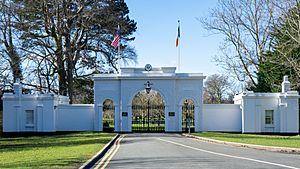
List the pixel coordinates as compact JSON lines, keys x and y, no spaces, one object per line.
{"x":116,"y":41}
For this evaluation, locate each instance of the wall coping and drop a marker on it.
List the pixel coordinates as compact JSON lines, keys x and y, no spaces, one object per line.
{"x":221,"y":106}
{"x":165,"y":76}
{"x":252,"y":95}
{"x":37,"y":97}
{"x":155,"y":73}
{"x":76,"y":105}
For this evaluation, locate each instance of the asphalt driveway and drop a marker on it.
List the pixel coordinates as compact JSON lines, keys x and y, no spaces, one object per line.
{"x":175,"y":151}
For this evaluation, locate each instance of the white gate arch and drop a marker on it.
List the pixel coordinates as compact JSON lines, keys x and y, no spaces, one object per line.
{"x":173,"y":87}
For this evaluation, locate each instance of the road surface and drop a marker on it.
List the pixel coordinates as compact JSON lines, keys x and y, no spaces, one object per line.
{"x":147,"y":150}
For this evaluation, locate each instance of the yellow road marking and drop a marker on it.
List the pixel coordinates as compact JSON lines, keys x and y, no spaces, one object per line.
{"x":106,"y":156}
{"x":115,"y":151}
{"x":111,"y":152}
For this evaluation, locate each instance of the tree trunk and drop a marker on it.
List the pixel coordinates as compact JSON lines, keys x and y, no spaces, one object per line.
{"x":69,"y":56}
{"x":15,"y":64}
{"x":61,"y":74}
{"x":70,"y":78}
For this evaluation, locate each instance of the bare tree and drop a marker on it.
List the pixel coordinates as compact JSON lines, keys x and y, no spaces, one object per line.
{"x":246,"y":26}
{"x":9,"y":39}
{"x":215,"y":89}
{"x":40,"y":73}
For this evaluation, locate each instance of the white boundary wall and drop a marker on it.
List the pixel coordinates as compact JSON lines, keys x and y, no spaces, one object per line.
{"x":75,"y":117}
{"x":222,"y":117}
{"x":50,"y":113}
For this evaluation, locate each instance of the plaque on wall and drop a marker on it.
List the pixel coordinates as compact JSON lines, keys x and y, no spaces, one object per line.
{"x":125,"y":114}
{"x":171,"y":113}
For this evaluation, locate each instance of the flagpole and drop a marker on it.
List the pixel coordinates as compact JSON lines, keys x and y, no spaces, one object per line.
{"x":178,"y":53}
{"x":178,"y":36}
{"x":119,"y":56}
{"x":178,"y":57}
{"x":116,"y":44}
{"x":119,"y":64}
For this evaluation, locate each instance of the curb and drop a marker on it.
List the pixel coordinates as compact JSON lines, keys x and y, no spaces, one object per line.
{"x":258,"y":147}
{"x":89,"y":163}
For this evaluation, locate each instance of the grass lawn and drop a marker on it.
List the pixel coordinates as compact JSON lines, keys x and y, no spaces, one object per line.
{"x":267,"y":140}
{"x":56,"y":151}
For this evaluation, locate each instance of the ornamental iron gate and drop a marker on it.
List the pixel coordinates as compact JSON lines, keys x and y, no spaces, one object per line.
{"x":148,"y":118}
{"x":188,"y":114}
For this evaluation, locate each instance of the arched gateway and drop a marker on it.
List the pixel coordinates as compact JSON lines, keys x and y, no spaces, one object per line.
{"x":148,"y":111}
{"x":178,"y":96}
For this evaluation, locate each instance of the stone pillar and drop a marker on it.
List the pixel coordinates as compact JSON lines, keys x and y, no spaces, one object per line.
{"x":198,"y":118}
{"x":18,"y":88}
{"x":117,"y":118}
{"x":129,"y":119}
{"x":179,"y":112}
{"x":285,"y":85}
{"x":39,"y":117}
{"x":18,"y":117}
{"x":283,"y":117}
{"x":98,"y":126}
{"x":258,"y":122}
{"x":18,"y":107}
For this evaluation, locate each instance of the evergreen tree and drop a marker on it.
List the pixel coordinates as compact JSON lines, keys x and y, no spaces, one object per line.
{"x":75,"y":35}
{"x":271,"y":73}
{"x":284,"y":58}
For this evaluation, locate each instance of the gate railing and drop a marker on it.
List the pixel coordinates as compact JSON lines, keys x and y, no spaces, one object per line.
{"x":145,"y":107}
{"x":108,"y":118}
{"x":142,"y":126}
{"x":188,"y":113}
{"x":142,"y":123}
